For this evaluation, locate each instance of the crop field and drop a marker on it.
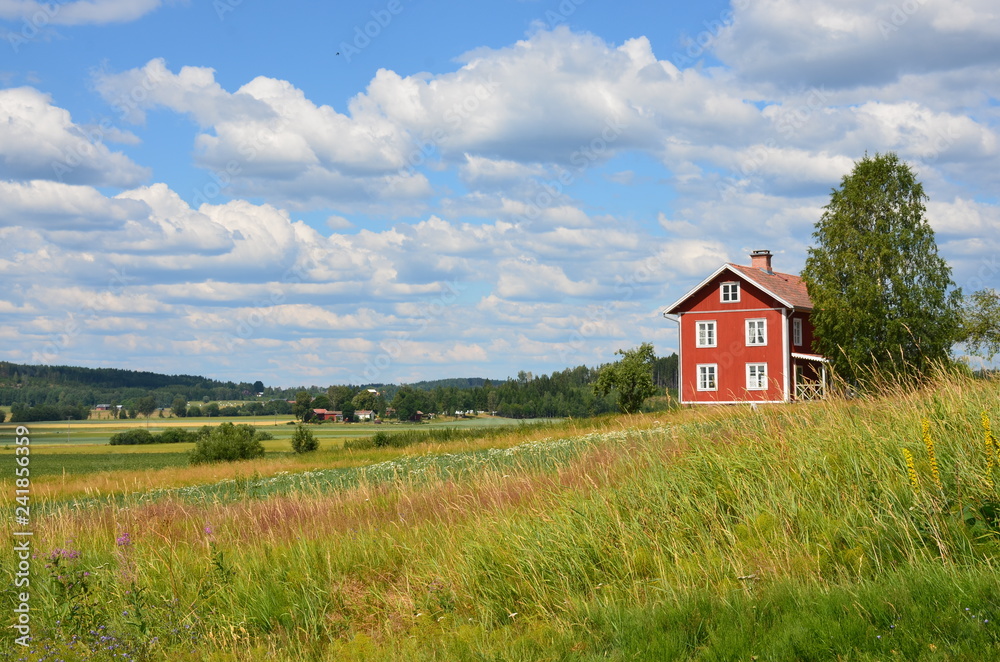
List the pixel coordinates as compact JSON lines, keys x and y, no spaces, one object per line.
{"x":865,"y":529}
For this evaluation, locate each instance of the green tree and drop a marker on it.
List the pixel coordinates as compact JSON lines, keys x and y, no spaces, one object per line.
{"x":304,"y":441}
{"x":883,"y":298}
{"x":303,"y":406}
{"x":179,"y":406}
{"x":981,"y":323}
{"x":193,"y":411}
{"x":339,"y":396}
{"x":406,"y":403}
{"x":227,"y":443}
{"x":632,"y":376}
{"x":366,"y":400}
{"x":146,"y":406}
{"x":258,"y":387}
{"x":211,"y":409}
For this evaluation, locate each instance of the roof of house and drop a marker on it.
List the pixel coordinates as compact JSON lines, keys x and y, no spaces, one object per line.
{"x":786,"y":288}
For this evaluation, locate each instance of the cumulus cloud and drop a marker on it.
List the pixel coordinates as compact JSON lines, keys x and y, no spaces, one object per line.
{"x":856,"y":42}
{"x":39,"y":140}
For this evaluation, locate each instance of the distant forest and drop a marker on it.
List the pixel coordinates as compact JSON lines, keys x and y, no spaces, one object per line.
{"x":70,"y":391}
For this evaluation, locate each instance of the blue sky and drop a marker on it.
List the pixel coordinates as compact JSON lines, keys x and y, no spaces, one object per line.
{"x":317,"y":193}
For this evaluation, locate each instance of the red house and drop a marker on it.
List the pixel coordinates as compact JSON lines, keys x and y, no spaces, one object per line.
{"x":745,"y":336}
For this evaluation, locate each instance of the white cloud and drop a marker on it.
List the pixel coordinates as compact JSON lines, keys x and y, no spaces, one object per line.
{"x":40,"y":141}
{"x":856,"y":42}
{"x":80,"y":12}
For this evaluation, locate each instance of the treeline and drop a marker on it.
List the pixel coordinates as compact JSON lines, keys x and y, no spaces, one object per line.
{"x":21,"y":413}
{"x":564,"y":393}
{"x":37,"y":385}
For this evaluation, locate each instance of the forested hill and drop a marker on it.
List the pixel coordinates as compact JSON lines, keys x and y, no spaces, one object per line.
{"x":45,"y":384}
{"x":12,"y":374}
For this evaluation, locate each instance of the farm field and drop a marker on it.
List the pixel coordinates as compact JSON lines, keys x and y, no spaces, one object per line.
{"x":830,"y":530}
{"x":89,"y":432}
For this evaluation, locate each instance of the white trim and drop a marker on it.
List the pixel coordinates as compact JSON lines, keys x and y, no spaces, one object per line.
{"x":722,"y":291}
{"x":680,"y":362}
{"x":797,"y":331}
{"x":810,"y":357}
{"x":746,"y":331}
{"x":785,"y":354}
{"x":715,"y":376}
{"x":762,"y":384}
{"x":697,"y":331}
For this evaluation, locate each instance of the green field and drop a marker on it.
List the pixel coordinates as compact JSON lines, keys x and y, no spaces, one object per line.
{"x":837,"y":530}
{"x":91,"y":432}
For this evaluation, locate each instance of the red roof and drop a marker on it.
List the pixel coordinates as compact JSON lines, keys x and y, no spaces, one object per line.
{"x":785,"y":286}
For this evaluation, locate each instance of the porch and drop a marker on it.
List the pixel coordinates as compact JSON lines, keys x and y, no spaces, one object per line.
{"x":810,"y":374}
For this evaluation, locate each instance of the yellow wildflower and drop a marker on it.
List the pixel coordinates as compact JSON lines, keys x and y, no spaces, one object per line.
{"x":911,"y":471}
{"x":929,"y":443}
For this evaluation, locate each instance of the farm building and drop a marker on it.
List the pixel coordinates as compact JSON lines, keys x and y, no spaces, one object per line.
{"x":328,"y":415}
{"x":745,"y":335}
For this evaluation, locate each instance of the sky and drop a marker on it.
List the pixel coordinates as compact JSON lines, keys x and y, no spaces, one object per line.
{"x":388,"y":191}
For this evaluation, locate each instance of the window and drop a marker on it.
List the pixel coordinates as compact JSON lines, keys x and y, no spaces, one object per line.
{"x":797,"y":331}
{"x":756,"y":332}
{"x":706,"y":334}
{"x":730,"y":292}
{"x":756,"y":376}
{"x":706,"y":377}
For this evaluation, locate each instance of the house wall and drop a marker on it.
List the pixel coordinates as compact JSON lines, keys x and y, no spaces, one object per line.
{"x":808,"y":333}
{"x":731,"y":353}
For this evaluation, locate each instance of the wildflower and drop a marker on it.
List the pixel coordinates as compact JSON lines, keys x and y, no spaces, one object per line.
{"x":124,"y":540}
{"x":929,"y":443}
{"x":991,"y":448}
{"x":911,"y":471}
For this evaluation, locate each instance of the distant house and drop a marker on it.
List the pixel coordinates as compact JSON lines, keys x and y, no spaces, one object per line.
{"x":364,"y":415}
{"x":328,"y":415}
{"x":103,"y":407}
{"x":745,"y":335}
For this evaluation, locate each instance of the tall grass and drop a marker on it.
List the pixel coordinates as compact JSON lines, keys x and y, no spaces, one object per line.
{"x":841,"y":529}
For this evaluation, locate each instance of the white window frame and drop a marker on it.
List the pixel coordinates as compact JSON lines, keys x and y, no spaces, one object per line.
{"x":752,"y":339}
{"x":736,"y":289}
{"x":757,"y":382}
{"x":797,"y":331}
{"x":703,"y":370}
{"x":714,"y":332}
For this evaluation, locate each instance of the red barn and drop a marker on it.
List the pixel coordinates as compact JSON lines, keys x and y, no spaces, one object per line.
{"x":745,"y":336}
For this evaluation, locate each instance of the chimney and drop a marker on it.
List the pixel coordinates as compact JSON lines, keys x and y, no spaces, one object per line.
{"x":761,"y":260}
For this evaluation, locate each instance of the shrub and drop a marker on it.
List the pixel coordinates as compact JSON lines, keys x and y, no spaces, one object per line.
{"x":132,"y":437}
{"x":176,"y":436}
{"x":304,"y":441}
{"x":227,"y":443}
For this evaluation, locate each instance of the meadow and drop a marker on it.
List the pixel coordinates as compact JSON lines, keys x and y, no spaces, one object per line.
{"x":863,"y":529}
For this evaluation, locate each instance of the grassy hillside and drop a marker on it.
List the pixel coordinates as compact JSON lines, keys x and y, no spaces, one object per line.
{"x":837,"y":530}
